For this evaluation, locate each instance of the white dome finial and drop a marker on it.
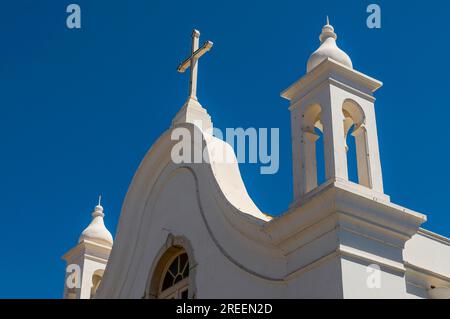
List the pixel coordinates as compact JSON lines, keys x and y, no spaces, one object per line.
{"x":327,"y":32}
{"x":98,"y":211}
{"x":328,"y":49}
{"x":97,"y":231}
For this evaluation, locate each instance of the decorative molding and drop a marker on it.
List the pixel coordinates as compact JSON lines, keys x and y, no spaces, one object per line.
{"x":433,"y":236}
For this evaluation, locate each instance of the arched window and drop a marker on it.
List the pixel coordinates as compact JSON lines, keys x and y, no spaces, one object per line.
{"x":175,"y":278}
{"x":354,"y":121}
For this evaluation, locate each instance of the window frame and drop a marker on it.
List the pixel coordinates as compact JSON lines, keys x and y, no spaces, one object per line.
{"x":175,"y":291}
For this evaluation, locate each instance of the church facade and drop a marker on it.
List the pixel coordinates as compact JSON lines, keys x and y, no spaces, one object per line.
{"x":190,"y":230}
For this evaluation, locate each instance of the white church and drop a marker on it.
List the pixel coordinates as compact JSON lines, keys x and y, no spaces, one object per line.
{"x":190,"y":230}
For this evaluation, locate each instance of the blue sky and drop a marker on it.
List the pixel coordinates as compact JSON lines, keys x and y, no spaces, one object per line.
{"x":80,"y":108}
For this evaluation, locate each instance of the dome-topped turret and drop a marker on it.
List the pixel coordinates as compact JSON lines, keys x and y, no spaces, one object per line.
{"x":328,"y":49}
{"x":96,"y":231}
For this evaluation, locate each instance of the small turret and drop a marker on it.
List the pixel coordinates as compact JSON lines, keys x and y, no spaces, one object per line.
{"x":87,"y":261}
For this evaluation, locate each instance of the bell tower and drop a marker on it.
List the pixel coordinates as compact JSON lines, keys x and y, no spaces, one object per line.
{"x":336,"y":100}
{"x":87,"y":261}
{"x":348,"y":226}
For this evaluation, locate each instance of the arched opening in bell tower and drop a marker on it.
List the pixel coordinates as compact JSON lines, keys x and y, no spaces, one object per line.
{"x":96,"y":279}
{"x":356,"y":147}
{"x":313,"y":157}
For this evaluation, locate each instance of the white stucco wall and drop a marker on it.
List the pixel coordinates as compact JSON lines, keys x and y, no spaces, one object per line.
{"x":427,"y":262}
{"x":429,"y":251}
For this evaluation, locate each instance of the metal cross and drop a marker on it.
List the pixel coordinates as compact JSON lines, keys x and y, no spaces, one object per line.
{"x":192,"y":62}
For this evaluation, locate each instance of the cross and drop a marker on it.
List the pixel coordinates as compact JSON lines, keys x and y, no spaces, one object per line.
{"x":192,"y":62}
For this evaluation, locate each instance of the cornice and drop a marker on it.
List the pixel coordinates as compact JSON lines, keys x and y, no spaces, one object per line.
{"x":86,"y":248}
{"x":339,"y":198}
{"x":331,"y":69}
{"x":426,"y":272}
